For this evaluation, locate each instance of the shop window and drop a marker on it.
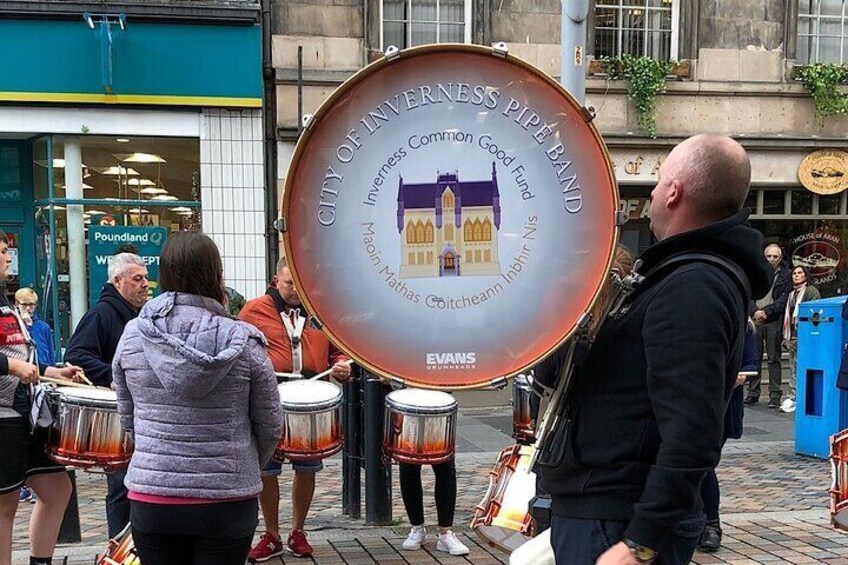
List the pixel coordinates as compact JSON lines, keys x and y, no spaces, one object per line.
{"x":829,"y":205}
{"x":751,"y":201}
{"x":408,"y":23}
{"x":774,"y":202}
{"x":802,"y":202}
{"x":822,"y":31}
{"x":636,"y":27}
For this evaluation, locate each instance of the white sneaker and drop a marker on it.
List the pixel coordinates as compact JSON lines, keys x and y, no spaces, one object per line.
{"x":448,"y":542}
{"x":788,"y":407}
{"x":786,"y":402}
{"x":415,"y":538}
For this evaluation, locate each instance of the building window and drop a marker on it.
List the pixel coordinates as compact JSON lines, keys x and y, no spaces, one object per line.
{"x":822,"y":31}
{"x":407,"y":23}
{"x":411,"y":258}
{"x":637,"y":27}
{"x":468,"y":257}
{"x":449,"y":231}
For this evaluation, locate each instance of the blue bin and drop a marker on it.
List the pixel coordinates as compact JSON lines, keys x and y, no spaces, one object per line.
{"x":822,"y":409}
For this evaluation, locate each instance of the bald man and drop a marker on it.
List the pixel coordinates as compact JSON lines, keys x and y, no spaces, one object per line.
{"x":644,"y":418}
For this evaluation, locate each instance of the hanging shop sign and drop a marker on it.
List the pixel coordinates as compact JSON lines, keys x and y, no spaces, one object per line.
{"x":820,"y":252}
{"x":824,"y":171}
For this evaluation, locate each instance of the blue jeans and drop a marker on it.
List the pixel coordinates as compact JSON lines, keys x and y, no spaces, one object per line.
{"x":579,"y":541}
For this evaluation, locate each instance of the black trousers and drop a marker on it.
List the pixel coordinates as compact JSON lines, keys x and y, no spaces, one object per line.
{"x":207,"y":534}
{"x":769,"y":338}
{"x":117,"y":503}
{"x":413,"y":493}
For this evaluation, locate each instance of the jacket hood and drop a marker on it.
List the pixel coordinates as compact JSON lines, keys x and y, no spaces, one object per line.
{"x":732,"y":238}
{"x":191,"y":342}
{"x":110,"y":296}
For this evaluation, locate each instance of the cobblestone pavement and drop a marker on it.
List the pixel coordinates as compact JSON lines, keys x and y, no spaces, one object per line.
{"x":774,"y":510}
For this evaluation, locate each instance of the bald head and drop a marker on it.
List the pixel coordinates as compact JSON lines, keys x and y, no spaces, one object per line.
{"x":704,"y":179}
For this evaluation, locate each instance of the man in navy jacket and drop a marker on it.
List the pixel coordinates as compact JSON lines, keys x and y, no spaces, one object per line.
{"x":644,"y":418}
{"x":93,"y":345}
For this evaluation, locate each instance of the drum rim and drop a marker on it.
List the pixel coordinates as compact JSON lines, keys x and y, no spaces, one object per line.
{"x":311,"y":405}
{"x":408,"y":409}
{"x":331,"y":101}
{"x":60,"y":396}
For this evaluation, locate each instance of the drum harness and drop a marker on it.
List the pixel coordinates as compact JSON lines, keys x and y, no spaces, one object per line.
{"x":294,"y":324}
{"x":552,"y":437}
{"x":39,"y":416}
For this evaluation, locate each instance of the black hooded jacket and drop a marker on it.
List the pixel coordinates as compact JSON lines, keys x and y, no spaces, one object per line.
{"x":646,"y":411}
{"x":95,"y":339}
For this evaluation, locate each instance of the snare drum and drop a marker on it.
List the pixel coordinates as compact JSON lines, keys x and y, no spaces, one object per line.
{"x":523,"y":425}
{"x":839,"y":484}
{"x":86,"y":430}
{"x":121,"y":550}
{"x":503,"y":516}
{"x":312,"y":412}
{"x":420,"y":426}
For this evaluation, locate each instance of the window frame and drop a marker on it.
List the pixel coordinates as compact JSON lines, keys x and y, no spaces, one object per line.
{"x":466,"y":31}
{"x":813,"y":54}
{"x":674,"y":44}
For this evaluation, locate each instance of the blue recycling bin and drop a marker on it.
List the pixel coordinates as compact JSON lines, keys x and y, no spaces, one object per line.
{"x":822,"y":409}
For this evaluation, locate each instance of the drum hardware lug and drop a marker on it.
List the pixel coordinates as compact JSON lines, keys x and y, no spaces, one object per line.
{"x":307,"y":120}
{"x":397,"y":381}
{"x":500,"y":50}
{"x":588,"y":113}
{"x":498,"y":383}
{"x":621,"y":218}
{"x":316,"y":322}
{"x":392,"y":53}
{"x":584,"y":322}
{"x":281,"y":225}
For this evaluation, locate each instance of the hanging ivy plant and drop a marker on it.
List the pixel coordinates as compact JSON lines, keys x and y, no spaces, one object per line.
{"x":647,"y":79}
{"x":822,"y":82}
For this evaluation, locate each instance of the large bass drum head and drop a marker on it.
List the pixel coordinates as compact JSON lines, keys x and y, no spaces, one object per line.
{"x":450,"y":216}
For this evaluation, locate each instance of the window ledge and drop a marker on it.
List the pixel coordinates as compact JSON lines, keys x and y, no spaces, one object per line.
{"x":681,"y":69}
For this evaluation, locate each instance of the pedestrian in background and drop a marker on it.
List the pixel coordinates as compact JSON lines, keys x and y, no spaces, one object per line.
{"x":802,"y":291}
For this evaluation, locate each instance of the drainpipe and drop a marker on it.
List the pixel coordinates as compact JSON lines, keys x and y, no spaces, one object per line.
{"x":269,"y":116}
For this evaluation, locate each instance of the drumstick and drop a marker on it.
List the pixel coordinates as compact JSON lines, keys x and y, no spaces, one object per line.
{"x":328,"y":371}
{"x":63,"y":382}
{"x":289,"y":375}
{"x":81,"y":376}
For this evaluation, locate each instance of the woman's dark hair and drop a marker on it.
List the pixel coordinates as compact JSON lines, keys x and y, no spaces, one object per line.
{"x":190,"y":263}
{"x":804,"y":269}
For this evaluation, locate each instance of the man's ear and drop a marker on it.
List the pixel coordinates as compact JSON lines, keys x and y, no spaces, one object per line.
{"x":674,"y":195}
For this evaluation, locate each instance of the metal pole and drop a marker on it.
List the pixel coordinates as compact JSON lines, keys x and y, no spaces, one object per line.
{"x":353,"y":447}
{"x":573,"y":42}
{"x":378,"y":472}
{"x":76,"y":231}
{"x":269,"y":120}
{"x":299,"y":90}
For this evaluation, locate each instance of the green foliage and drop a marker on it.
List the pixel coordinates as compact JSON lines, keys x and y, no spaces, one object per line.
{"x":822,"y":82}
{"x":647,"y":79}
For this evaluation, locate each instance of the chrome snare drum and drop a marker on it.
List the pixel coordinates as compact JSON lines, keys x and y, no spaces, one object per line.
{"x":311,"y":420}
{"x":503,"y":516}
{"x":120,"y":550}
{"x":420,"y":426}
{"x":523,"y":424}
{"x":86,"y":430}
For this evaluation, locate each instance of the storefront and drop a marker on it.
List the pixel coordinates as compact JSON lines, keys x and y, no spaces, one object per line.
{"x":811,"y":228}
{"x":136,"y":131}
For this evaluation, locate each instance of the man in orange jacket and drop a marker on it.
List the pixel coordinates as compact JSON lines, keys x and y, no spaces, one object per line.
{"x":280,"y":315}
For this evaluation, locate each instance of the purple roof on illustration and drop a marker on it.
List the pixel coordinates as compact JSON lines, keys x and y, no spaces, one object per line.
{"x":469,"y":193}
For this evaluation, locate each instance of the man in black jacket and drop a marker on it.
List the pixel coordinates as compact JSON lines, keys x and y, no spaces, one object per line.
{"x":769,"y":320}
{"x":644,"y":418}
{"x":93,"y":345}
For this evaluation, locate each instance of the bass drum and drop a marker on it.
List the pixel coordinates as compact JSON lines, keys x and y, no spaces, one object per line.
{"x":450,"y":214}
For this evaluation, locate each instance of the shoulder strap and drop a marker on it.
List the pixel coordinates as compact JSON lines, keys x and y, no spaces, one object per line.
{"x":729,"y":267}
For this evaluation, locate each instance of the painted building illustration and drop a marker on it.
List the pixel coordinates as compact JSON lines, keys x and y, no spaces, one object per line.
{"x":449,"y":227}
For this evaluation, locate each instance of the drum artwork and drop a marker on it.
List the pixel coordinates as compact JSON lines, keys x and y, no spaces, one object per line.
{"x":311,"y":420}
{"x":839,"y":485}
{"x":420,"y":426}
{"x":502,"y":518}
{"x":449,"y":216}
{"x":86,"y":430}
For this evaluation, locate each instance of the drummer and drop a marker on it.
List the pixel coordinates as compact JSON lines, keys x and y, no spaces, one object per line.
{"x":280,"y":315}
{"x":24,"y":460}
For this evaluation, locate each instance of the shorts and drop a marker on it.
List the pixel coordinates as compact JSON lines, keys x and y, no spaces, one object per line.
{"x":274,"y":467}
{"x":23,"y":454}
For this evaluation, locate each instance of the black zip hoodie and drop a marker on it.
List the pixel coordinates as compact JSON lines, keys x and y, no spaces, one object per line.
{"x":645,"y":415}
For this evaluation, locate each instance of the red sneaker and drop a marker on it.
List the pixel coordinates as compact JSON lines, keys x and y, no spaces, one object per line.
{"x":268,"y":547}
{"x":298,"y":545}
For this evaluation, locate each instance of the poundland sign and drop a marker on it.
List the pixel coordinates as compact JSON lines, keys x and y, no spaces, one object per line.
{"x":103,"y":243}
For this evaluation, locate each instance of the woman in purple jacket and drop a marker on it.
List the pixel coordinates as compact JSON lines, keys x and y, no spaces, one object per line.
{"x":198,"y":393}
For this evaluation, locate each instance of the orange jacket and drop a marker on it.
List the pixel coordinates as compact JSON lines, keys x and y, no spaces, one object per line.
{"x":318,"y":353}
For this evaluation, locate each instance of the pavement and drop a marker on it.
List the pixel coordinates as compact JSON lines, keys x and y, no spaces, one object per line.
{"x":774,"y":504}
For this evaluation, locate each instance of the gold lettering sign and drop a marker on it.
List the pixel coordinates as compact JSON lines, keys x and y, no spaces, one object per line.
{"x":824,"y":171}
